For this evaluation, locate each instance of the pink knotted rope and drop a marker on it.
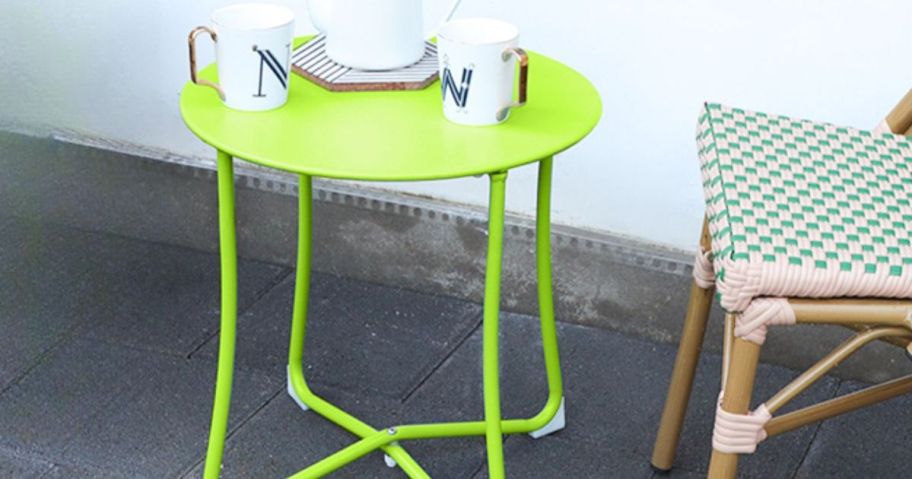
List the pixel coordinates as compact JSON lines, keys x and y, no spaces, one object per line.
{"x":751,"y":325}
{"x":704,"y":274}
{"x":739,"y":433}
{"x":740,"y":284}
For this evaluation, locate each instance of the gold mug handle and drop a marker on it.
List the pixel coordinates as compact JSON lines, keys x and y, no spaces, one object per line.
{"x":523,"y":58}
{"x":191,"y":40}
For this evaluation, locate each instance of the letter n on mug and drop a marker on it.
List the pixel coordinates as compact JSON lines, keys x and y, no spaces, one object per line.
{"x":252,"y":53}
{"x":458,"y":91}
{"x":278,"y":69}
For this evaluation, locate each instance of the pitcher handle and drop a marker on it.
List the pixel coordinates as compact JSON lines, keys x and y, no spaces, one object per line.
{"x":452,"y":11}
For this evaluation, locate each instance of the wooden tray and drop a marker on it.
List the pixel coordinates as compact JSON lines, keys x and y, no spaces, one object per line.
{"x":310,"y":61}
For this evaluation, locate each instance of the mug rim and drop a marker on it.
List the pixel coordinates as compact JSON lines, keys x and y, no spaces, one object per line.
{"x":506,"y":31}
{"x":284,"y":16}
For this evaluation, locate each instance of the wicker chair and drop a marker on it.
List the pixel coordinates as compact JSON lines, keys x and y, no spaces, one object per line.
{"x":805,"y":223}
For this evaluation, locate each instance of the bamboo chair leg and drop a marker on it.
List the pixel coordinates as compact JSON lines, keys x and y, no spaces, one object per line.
{"x":666,"y":443}
{"x":739,"y":386}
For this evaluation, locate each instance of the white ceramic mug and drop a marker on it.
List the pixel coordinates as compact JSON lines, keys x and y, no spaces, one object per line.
{"x":477,"y":67}
{"x":253,"y":54}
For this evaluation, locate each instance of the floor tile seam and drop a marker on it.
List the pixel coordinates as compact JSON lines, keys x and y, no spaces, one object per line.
{"x":350,"y":312}
{"x":239,"y":367}
{"x":135,"y":239}
{"x":630,"y":336}
{"x":182,"y":359}
{"x":391,"y":332}
{"x":79,"y":329}
{"x":813,"y":438}
{"x":633,"y":454}
{"x":78,"y":306}
{"x":46,"y":474}
{"x":369,"y":391}
{"x":258,"y":297}
{"x":65,"y":459}
{"x":184,"y":472}
{"x":449,"y":348}
{"x":82,"y":328}
{"x":484,"y":460}
{"x":272,"y":375}
{"x":63,"y":455}
{"x":132,"y":347}
{"x":67,"y":335}
{"x":57,"y":465}
{"x":449,"y":354}
{"x":60,"y":457}
{"x":402,"y":289}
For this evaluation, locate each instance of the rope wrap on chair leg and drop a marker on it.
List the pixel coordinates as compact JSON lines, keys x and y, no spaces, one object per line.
{"x":704,"y":274}
{"x":752,"y":323}
{"x":739,"y":433}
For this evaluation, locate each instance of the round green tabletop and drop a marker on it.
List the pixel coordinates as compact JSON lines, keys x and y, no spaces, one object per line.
{"x":395,"y":135}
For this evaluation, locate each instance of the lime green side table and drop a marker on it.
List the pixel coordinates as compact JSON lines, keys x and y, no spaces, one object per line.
{"x":385,"y":136}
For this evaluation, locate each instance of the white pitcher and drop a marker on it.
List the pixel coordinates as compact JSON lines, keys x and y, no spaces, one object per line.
{"x":372,"y":34}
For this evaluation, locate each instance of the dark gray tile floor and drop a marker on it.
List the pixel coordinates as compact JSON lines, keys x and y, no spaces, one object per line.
{"x":107,"y":364}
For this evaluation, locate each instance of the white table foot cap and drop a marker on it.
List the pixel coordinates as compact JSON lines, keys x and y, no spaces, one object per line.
{"x":390,"y":462}
{"x":556,"y":424}
{"x":292,"y":393}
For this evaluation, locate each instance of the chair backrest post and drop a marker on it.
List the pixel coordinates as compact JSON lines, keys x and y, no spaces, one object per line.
{"x":900,"y":119}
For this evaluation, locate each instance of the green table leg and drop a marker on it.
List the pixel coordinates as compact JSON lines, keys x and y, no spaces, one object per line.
{"x":490,"y":340}
{"x":228,"y":254}
{"x":555,"y":401}
{"x":297,"y":383}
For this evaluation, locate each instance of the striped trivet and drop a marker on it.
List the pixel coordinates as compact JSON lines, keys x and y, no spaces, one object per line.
{"x":310,"y":61}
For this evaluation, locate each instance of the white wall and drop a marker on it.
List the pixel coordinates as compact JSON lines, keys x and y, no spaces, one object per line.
{"x":114,"y":69}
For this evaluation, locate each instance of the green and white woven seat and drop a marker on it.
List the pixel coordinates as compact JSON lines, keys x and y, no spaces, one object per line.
{"x":798,"y":208}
